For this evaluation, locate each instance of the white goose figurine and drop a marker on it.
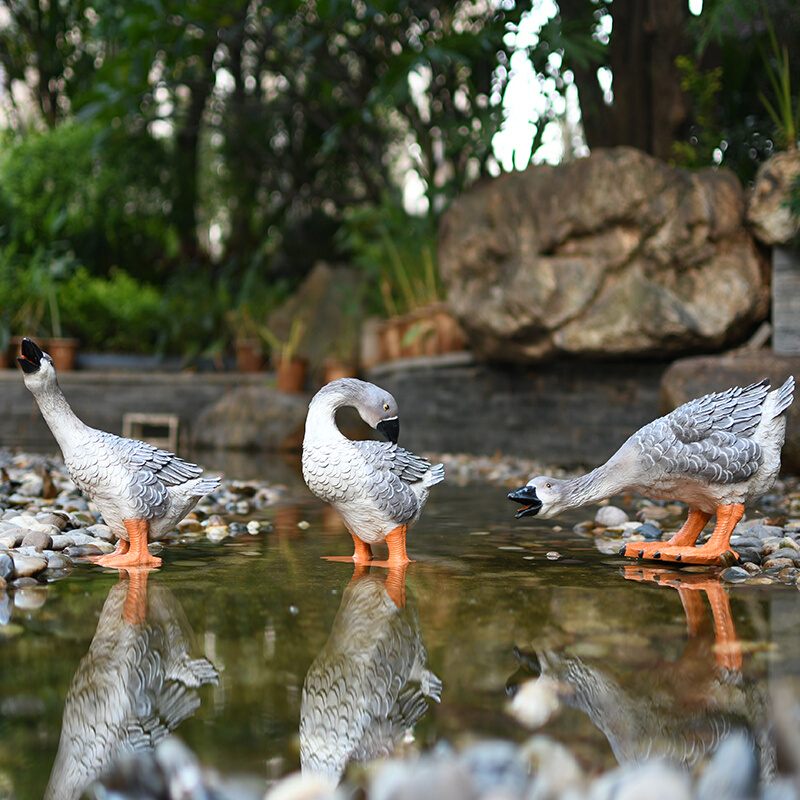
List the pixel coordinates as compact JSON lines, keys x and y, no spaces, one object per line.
{"x":716,"y":454}
{"x":142,"y":492}
{"x":378,"y":488}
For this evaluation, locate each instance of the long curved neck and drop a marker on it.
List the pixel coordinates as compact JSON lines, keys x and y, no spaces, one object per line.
{"x":321,"y":418}
{"x":603,"y":482}
{"x":65,"y":426}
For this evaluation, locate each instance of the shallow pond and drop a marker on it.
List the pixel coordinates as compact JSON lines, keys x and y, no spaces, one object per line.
{"x":646,"y":662}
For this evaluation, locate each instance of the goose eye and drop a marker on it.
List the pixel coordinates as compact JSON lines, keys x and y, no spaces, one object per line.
{"x":547,"y":486}
{"x":385,"y":406}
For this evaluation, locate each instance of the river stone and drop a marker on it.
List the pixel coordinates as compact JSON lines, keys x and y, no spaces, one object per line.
{"x":100,"y":531}
{"x":51,"y":518}
{"x":59,"y":561}
{"x":26,"y":566}
{"x":735,"y":575}
{"x":6,"y":567}
{"x":610,"y":517}
{"x":38,"y":540}
{"x":61,"y":542}
{"x":611,"y":255}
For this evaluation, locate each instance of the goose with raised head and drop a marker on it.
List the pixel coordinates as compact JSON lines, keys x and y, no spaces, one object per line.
{"x":141,"y":491}
{"x":377,"y":488}
{"x":716,"y":453}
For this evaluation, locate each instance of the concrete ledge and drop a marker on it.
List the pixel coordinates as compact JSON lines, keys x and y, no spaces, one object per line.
{"x":101,"y":399}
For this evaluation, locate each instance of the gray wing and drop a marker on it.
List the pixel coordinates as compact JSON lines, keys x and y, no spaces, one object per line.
{"x":395,"y":471}
{"x":168,"y":468}
{"x":708,"y":438}
{"x":148,"y":471}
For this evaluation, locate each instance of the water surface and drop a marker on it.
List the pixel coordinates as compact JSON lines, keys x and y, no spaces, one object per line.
{"x":646,"y":662}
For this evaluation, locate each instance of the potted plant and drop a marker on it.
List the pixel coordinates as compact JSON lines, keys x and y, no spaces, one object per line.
{"x":290,"y":367}
{"x":246,"y":339}
{"x":45,"y":271}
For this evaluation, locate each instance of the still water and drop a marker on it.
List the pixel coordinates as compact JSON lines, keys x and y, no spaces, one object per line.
{"x":646,"y":663}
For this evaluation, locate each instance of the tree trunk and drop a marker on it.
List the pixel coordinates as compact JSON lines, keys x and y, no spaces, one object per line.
{"x":649,"y":110}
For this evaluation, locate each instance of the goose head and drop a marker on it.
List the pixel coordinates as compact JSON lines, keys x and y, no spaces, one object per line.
{"x":374,"y":405}
{"x":542,"y":496}
{"x":379,"y":410}
{"x":37,"y":365}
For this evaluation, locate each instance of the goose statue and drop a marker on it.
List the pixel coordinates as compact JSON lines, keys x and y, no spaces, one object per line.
{"x":716,"y":453}
{"x":377,"y":488}
{"x":142,"y":492}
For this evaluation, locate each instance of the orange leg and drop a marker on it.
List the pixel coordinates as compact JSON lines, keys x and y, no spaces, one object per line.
{"x":361,"y":555}
{"x":120,"y":550}
{"x":137,"y":554}
{"x":363,"y":551}
{"x":684,"y":538}
{"x":396,"y":542}
{"x":719,"y":542}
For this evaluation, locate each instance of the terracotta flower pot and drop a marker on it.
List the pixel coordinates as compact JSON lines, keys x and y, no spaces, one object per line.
{"x":62,"y":351}
{"x":291,"y":374}
{"x":248,"y":355}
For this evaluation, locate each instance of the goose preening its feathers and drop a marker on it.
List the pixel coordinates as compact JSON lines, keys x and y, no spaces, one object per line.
{"x":378,"y":488}
{"x":141,"y":491}
{"x":716,"y":453}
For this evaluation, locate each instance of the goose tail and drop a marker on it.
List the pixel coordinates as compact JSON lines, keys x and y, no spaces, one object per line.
{"x":435,"y":475}
{"x":206,"y":486}
{"x":784,"y":397}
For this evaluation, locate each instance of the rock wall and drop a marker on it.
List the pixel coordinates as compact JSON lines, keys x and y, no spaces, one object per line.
{"x":615,"y":255}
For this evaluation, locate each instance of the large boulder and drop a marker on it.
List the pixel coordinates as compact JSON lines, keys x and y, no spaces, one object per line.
{"x":767,"y":212}
{"x":616,"y":255}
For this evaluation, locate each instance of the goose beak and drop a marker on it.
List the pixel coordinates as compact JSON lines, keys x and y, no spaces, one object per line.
{"x":31,"y":357}
{"x":390,"y":428}
{"x":528,"y":499}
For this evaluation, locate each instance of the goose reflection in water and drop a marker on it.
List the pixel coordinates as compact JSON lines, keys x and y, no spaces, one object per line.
{"x":679,"y":710}
{"x":136,"y":684}
{"x":371,"y":681}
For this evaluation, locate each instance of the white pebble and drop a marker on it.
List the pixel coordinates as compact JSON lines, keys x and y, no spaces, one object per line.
{"x":610,"y":517}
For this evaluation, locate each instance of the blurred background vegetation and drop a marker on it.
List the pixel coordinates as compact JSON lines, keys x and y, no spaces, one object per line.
{"x":171,"y":171}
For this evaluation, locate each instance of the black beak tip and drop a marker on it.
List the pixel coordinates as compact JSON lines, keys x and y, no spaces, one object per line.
{"x":528,"y":499}
{"x":31,"y":357}
{"x":390,"y":428}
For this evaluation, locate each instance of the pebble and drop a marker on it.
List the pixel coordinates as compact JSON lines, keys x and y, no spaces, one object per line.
{"x":610,"y":517}
{"x":39,"y":540}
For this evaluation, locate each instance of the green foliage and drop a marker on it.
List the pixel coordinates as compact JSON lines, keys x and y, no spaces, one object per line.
{"x":703,"y":87}
{"x":97,"y":196}
{"x":117,"y":313}
{"x":397,"y":252}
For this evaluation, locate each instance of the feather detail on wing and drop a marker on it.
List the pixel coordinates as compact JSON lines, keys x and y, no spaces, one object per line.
{"x":407,"y":466}
{"x":709,"y":438}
